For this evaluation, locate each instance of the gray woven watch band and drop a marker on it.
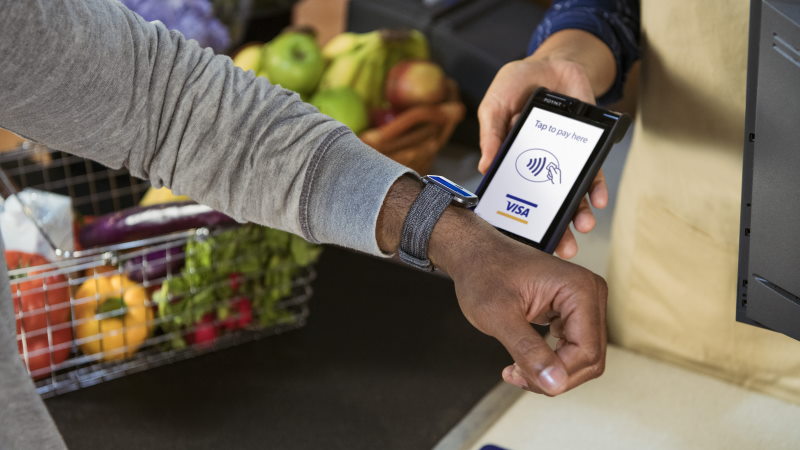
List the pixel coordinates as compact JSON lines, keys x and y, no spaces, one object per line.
{"x":419,"y":223}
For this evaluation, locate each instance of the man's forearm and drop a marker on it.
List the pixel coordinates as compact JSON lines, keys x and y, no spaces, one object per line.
{"x":92,"y":78}
{"x":585,"y":49}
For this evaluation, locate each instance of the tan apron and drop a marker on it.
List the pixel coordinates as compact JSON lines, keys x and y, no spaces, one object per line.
{"x":673,"y":270}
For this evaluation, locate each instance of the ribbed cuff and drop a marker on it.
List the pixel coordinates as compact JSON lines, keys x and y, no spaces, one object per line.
{"x":343,"y":191}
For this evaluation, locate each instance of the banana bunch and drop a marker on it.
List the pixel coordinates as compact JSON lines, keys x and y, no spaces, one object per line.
{"x":405,"y":44}
{"x":361,"y":61}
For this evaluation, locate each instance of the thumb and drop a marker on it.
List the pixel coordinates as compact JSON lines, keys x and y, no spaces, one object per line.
{"x":493,"y":128}
{"x":540,"y":367}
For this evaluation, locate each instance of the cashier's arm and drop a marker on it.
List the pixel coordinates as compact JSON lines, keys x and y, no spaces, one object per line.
{"x":503,"y":286}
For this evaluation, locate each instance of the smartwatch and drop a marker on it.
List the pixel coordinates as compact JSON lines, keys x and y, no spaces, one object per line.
{"x":436,"y":196}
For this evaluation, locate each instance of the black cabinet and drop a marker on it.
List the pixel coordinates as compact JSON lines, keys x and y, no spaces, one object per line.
{"x":769,"y":254}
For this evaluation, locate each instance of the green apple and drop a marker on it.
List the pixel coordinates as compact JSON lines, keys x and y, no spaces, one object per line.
{"x":294,"y":60}
{"x":344,"y":105}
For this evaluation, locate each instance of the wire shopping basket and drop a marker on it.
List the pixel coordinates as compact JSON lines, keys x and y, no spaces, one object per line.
{"x":86,"y":315}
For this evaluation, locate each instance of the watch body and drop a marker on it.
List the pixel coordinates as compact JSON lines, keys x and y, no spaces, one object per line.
{"x":461,"y":196}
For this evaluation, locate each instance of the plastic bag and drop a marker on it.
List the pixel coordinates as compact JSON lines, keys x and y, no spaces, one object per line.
{"x":52,"y":212}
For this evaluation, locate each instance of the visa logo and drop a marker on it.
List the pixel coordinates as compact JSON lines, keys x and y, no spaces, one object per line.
{"x":520,"y":210}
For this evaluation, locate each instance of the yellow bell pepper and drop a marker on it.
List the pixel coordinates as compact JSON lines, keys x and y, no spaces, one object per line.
{"x":112,"y":316}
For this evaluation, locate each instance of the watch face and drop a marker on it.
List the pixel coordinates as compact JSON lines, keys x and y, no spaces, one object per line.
{"x":461,"y":195}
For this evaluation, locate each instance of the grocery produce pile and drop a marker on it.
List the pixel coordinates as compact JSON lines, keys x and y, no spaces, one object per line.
{"x":231,"y":280}
{"x":185,"y":291}
{"x":363,"y":80}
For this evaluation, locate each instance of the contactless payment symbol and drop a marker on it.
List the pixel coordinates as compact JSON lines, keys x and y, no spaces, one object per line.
{"x":539,"y":165}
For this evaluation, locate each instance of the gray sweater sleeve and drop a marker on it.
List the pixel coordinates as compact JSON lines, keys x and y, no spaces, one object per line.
{"x":24,"y":421}
{"x":92,"y":78}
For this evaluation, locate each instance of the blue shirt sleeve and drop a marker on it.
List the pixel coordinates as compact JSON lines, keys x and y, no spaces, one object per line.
{"x":615,"y":22}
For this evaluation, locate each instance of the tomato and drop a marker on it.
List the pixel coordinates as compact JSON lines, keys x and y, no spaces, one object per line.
{"x":32,"y":295}
{"x":38,"y":358}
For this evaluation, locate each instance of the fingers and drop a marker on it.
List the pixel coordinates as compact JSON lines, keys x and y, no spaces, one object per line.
{"x":576,"y":313}
{"x":567,"y":247}
{"x":583,"y":352}
{"x":598,"y":193}
{"x":537,"y":368}
{"x":557,"y":328}
{"x":513,"y":375}
{"x":584,"y":220}
{"x":587,"y":352}
{"x":544,"y":319}
{"x":583,"y":331}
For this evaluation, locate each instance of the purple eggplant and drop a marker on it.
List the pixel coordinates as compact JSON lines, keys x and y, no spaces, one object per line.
{"x":147,"y":221}
{"x":155,"y":265}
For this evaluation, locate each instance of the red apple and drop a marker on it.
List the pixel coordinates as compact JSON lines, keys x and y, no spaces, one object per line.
{"x":381,"y":116}
{"x":413,"y":82}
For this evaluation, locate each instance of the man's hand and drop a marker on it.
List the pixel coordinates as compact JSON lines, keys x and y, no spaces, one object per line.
{"x":503,"y":286}
{"x":571,"y":62}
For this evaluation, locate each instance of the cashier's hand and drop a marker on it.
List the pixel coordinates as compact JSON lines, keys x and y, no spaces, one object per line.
{"x":503,"y":286}
{"x":502,"y":104}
